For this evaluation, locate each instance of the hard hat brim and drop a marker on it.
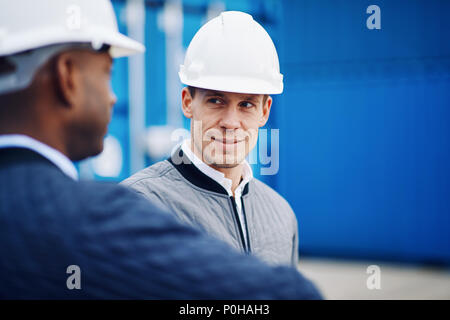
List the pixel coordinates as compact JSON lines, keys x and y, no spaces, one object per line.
{"x":120,"y":45}
{"x":233,"y":84}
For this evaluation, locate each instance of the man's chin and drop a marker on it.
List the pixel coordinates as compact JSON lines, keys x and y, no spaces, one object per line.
{"x":83,"y":153}
{"x":98,"y":151}
{"x":225,"y":164}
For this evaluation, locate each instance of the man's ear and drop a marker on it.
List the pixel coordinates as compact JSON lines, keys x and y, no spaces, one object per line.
{"x":186,"y":103}
{"x":265,"y":112}
{"x":67,"y":78}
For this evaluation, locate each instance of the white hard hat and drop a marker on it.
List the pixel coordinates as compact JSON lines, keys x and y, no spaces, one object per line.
{"x":29,"y":24}
{"x":233,"y":53}
{"x":28,"y":28}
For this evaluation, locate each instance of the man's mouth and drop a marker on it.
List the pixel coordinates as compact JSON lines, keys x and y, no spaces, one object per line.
{"x":227,"y":141}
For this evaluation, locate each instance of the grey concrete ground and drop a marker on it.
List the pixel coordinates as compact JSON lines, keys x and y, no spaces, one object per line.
{"x":340,"y":279}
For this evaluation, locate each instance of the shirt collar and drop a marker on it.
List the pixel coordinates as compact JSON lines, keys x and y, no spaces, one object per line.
{"x":53,"y":155}
{"x":219,"y":177}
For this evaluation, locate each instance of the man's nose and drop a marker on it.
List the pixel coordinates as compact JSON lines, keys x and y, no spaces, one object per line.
{"x":230,"y":119}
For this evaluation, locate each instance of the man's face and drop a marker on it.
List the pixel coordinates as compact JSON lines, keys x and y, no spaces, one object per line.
{"x":94,"y":104}
{"x":224,"y":125}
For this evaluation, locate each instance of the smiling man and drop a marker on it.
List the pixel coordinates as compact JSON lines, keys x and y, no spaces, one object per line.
{"x":231,"y":68}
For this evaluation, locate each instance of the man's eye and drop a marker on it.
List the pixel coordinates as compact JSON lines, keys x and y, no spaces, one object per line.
{"x":247,"y":104}
{"x":215,"y":101}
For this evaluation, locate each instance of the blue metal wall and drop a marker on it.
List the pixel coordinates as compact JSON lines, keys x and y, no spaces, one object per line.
{"x":365,"y":128}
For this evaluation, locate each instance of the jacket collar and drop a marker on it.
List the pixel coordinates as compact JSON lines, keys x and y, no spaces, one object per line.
{"x":191,"y":173}
{"x":17,"y":155}
{"x":53,"y":155}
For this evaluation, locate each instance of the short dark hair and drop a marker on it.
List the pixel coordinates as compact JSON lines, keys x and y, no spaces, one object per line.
{"x":192,"y":92}
{"x":6,"y":66}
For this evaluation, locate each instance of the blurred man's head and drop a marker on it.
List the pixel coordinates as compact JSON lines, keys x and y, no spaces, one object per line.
{"x":55,"y":72}
{"x":69,"y":102}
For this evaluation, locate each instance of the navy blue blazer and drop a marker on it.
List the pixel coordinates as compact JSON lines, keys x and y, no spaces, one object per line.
{"x":123,"y":245}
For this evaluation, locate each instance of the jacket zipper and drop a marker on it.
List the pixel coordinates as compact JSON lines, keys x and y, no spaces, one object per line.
{"x":241,"y":233}
{"x":244,"y":214}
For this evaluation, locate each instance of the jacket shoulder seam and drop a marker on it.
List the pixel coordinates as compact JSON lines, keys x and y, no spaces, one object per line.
{"x":158,"y":175}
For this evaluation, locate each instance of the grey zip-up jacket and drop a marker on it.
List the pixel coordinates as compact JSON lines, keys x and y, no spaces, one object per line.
{"x":179,"y":186}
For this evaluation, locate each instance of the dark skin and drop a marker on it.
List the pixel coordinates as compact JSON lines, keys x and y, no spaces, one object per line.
{"x":67,"y":106}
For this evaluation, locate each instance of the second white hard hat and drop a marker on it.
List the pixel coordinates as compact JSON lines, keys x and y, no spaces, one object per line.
{"x":32,"y":31}
{"x":30,"y":24}
{"x":233,"y":53}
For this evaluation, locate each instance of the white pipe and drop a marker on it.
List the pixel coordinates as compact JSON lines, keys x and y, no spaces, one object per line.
{"x":171,"y":21}
{"x":135,"y":19}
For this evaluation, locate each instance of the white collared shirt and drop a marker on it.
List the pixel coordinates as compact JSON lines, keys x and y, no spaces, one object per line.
{"x":219,"y":177}
{"x":53,"y":155}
